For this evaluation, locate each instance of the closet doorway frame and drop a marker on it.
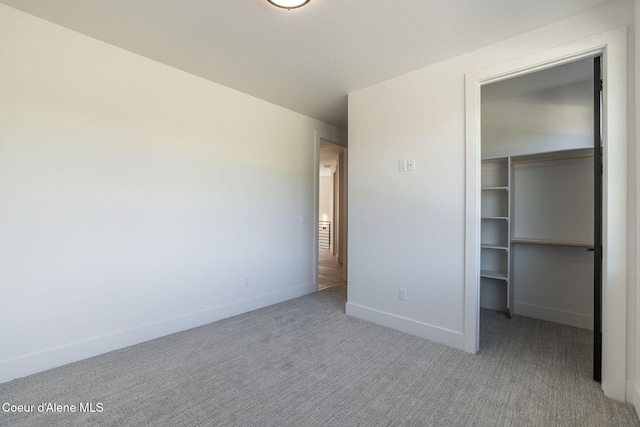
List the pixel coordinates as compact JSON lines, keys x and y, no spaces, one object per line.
{"x":612,"y":47}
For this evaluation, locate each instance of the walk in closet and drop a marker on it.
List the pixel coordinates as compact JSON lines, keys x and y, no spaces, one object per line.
{"x":537,"y":195}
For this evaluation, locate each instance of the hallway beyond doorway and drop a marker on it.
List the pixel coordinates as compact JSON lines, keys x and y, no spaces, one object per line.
{"x":329,"y":271}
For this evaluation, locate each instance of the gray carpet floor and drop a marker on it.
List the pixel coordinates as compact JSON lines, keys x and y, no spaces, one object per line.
{"x":305,"y":363}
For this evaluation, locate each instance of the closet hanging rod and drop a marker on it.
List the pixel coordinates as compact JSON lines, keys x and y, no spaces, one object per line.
{"x":550,"y":159}
{"x":552,"y":242}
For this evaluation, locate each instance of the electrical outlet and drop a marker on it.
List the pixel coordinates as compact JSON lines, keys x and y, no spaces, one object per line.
{"x":403,"y":294}
{"x":246,"y":281}
{"x":411,"y":165}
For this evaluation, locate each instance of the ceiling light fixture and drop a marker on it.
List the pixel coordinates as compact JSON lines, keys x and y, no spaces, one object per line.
{"x":289,"y":4}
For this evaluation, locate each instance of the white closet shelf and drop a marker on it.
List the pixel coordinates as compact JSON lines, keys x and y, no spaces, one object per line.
{"x":553,"y":243}
{"x":493,"y":274}
{"x":494,"y":246}
{"x":552,"y":156}
{"x":496,"y":204}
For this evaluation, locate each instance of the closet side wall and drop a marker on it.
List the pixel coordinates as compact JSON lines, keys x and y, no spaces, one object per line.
{"x":547,"y":120}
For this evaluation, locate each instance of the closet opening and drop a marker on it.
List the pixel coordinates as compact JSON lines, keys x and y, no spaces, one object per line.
{"x":541,"y":205}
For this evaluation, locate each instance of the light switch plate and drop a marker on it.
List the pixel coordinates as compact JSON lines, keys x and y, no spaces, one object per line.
{"x":411,"y":165}
{"x":402,"y":165}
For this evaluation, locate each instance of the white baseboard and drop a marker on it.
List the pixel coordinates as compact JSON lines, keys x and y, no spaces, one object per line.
{"x":554,"y":315}
{"x":633,"y":396}
{"x":53,"y":357}
{"x":409,"y":326}
{"x":636,"y":398}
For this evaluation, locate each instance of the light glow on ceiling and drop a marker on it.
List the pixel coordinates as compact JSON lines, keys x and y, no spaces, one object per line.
{"x":288,"y":4}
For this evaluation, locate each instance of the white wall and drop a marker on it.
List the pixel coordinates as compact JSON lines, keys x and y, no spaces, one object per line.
{"x":326,"y":198}
{"x":326,"y":203}
{"x":138,"y":200}
{"x":554,"y":283}
{"x":554,"y":119}
{"x":421,"y":115}
{"x":553,"y":200}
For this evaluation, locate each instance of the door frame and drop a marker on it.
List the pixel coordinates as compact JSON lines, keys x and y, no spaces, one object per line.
{"x":612,"y":46}
{"x":316,"y":208}
{"x":597,"y":218}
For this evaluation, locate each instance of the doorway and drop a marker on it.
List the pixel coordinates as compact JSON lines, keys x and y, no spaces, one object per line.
{"x":331,"y":215}
{"x":539,"y":202}
{"x":612,"y":46}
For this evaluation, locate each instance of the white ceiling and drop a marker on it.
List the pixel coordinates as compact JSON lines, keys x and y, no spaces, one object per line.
{"x":307,"y":59}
